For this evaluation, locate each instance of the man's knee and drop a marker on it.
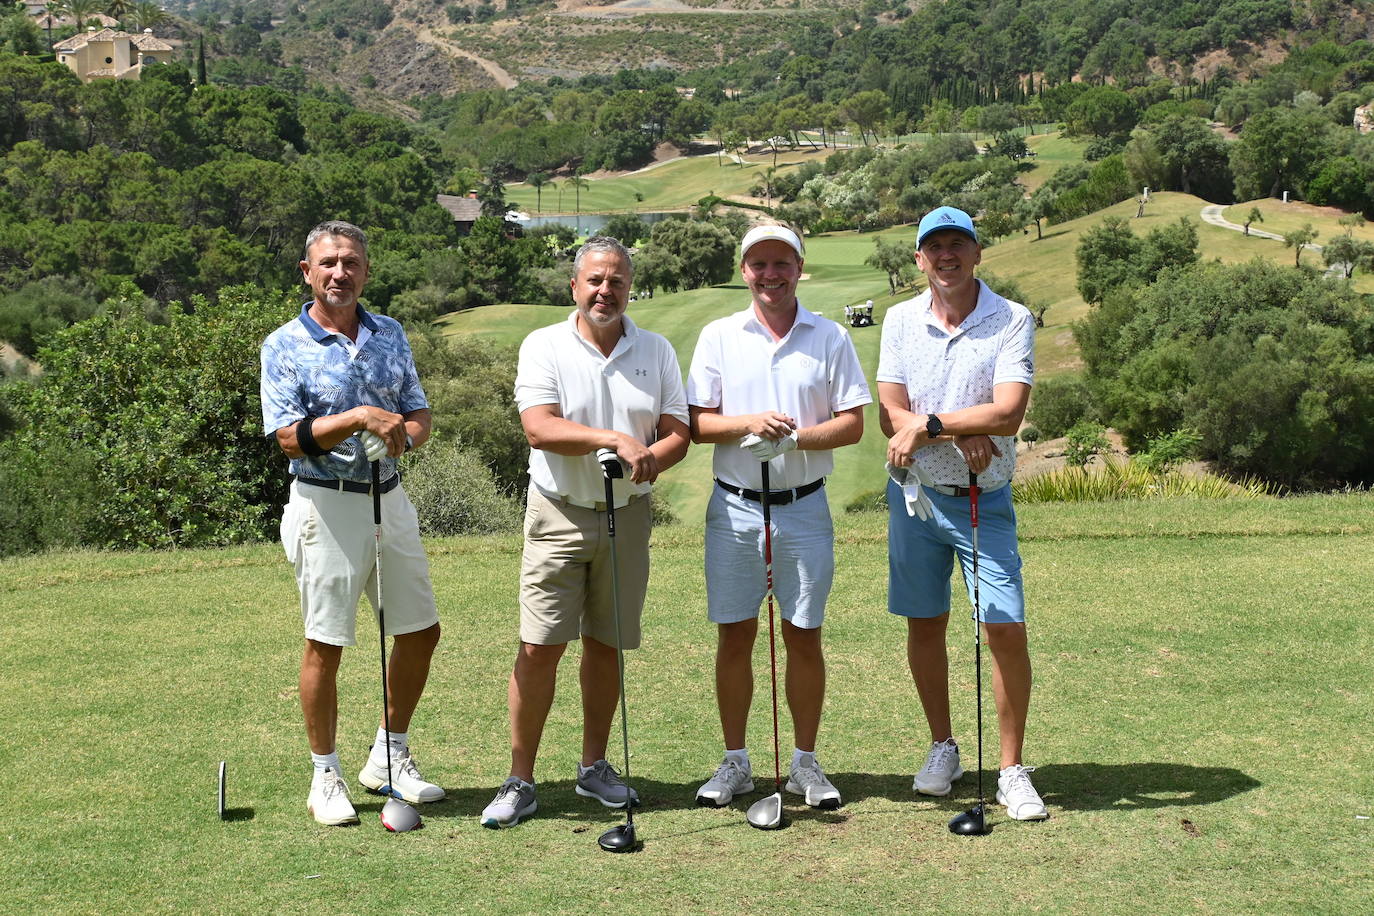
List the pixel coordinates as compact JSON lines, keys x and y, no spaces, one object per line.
{"x":321,"y":658}
{"x":1006,"y":639}
{"x":422,"y":641}
{"x":736,"y":639}
{"x":533,"y":657}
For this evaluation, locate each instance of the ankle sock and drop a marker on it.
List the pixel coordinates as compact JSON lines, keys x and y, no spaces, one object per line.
{"x":322,"y":761}
{"x":740,"y":756}
{"x":801,"y":757}
{"x":397,"y":741}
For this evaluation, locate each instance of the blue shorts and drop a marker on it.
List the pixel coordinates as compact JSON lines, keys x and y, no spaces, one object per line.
{"x":920,"y":556}
{"x":803,"y":558}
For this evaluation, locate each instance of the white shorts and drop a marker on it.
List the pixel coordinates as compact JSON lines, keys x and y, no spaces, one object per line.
{"x":803,"y":558}
{"x":330,"y":538}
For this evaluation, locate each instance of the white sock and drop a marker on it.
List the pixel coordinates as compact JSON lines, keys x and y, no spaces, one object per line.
{"x":803,"y":758}
{"x":740,"y":756}
{"x":398,"y":742}
{"x":322,"y":761}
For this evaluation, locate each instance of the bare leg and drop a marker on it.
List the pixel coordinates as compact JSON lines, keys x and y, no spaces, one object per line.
{"x":319,"y":694}
{"x":406,"y":674}
{"x":600,"y":679}
{"x":929,"y":660}
{"x":530,"y":696}
{"x":1011,"y":685}
{"x":805,"y":682}
{"x":735,"y":678}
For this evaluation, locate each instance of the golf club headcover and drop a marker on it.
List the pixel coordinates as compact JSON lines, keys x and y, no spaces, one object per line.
{"x":911,"y":480}
{"x":764,"y":449}
{"x":373,"y":444}
{"x":610,"y":463}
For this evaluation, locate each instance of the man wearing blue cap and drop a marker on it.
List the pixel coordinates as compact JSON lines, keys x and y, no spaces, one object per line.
{"x":954,"y":378}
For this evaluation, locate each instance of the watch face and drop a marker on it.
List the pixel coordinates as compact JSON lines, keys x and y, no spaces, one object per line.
{"x":933,"y":426}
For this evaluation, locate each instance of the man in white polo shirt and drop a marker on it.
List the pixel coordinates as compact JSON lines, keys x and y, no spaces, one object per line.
{"x":791,"y":380}
{"x":595,"y":381}
{"x":954,"y":378}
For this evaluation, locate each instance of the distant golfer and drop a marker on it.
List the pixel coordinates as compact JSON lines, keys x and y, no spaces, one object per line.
{"x":954,"y":377}
{"x":339,"y":389}
{"x":791,"y":378}
{"x":594,"y":381}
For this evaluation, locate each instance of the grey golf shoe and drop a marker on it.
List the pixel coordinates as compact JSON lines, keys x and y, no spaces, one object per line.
{"x":730,"y":779}
{"x":602,"y":782}
{"x":940,"y":770}
{"x":513,"y":803}
{"x":808,"y":780}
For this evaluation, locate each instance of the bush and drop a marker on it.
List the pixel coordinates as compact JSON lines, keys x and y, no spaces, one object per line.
{"x":1118,"y":479}
{"x":868,"y":501}
{"x":1030,"y":435}
{"x":1058,"y":403}
{"x":454,"y":493}
{"x":1085,"y":439}
{"x":1170,"y":450}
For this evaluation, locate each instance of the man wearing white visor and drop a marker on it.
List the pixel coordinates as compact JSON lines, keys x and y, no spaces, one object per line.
{"x":776,"y":383}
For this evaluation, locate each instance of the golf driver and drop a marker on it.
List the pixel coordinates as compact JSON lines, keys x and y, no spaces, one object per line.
{"x":766,"y":813}
{"x":973,"y":822}
{"x":221,"y":790}
{"x":620,"y":838}
{"x":397,"y":816}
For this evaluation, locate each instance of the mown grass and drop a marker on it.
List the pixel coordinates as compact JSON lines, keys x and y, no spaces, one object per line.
{"x":1199,"y":725}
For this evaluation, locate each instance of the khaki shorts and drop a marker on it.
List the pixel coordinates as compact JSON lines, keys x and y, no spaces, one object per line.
{"x":565,"y":574}
{"x":329,"y":536}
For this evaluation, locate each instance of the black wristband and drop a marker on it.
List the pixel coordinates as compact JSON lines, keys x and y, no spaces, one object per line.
{"x":305,"y":438}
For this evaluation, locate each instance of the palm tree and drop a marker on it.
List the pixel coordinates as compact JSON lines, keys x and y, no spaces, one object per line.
{"x":117,"y":9}
{"x":80,"y":10}
{"x":578,"y":183}
{"x":537,"y":180}
{"x":52,"y":9}
{"x":145,"y":15}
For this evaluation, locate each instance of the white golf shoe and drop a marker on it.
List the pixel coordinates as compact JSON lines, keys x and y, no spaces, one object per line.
{"x":1014,"y":790}
{"x":940,"y":770}
{"x":328,"y":802}
{"x":731,"y":778}
{"x":807,"y":779}
{"x":405,"y":779}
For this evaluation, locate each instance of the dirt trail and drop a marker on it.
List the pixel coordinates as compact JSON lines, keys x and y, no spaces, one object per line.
{"x":493,"y":69}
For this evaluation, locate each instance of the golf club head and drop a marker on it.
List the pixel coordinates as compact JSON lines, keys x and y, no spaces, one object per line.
{"x":620,"y":838}
{"x":398,"y":817}
{"x":766,"y":813}
{"x":971,"y":823}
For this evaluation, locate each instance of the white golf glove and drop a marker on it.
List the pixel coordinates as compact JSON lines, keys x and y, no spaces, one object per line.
{"x":767,"y":449}
{"x":910,"y":480}
{"x":373,"y":444}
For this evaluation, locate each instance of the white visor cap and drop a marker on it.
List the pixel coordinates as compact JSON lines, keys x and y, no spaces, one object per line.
{"x":771,"y":233}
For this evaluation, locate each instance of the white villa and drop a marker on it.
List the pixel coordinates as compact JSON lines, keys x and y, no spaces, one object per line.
{"x":111,"y":54}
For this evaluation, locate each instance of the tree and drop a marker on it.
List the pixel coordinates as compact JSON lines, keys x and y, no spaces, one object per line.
{"x":1107,"y":255}
{"x":866,"y":110}
{"x":578,"y":183}
{"x":895,"y":259}
{"x":1347,"y":252}
{"x":1279,"y":149}
{"x":705,"y":250}
{"x":1254,"y":216}
{"x":81,"y":10}
{"x":538,"y":180}
{"x":1299,"y":239}
{"x":1103,"y":111}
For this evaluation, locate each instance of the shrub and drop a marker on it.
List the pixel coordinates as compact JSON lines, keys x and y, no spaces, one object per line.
{"x":1085,"y":439}
{"x":1030,"y":435}
{"x":455,"y":493}
{"x":1168,"y":451}
{"x":868,"y":501}
{"x":1058,"y":403}
{"x":1117,"y":480}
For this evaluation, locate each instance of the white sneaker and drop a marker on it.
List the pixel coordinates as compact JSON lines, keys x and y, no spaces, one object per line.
{"x":730,"y":779}
{"x":1014,"y":790}
{"x":808,"y":780}
{"x":328,"y":802}
{"x":405,"y":779}
{"x":514,"y":802}
{"x":940,"y":770}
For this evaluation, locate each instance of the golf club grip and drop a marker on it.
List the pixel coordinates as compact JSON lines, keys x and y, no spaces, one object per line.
{"x":973,"y":499}
{"x":377,"y":492}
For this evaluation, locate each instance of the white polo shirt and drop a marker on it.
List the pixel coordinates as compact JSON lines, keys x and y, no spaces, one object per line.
{"x":627,"y":391}
{"x":811,"y":374}
{"x":944,"y":371}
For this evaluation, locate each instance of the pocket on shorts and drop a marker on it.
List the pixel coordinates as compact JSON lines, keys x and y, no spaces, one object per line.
{"x":290,"y":535}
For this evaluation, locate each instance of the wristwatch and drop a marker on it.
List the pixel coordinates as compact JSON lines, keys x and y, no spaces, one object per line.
{"x":934,"y":427}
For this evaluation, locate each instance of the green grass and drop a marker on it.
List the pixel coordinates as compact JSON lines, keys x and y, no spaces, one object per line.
{"x":677,"y":185}
{"x":1200,"y":724}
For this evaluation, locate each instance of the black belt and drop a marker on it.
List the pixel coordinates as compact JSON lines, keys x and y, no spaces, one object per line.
{"x":950,"y":489}
{"x":775,"y":497}
{"x":351,"y":486}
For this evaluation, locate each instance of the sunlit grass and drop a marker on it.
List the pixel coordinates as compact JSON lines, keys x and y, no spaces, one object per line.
{"x":1116,"y":479}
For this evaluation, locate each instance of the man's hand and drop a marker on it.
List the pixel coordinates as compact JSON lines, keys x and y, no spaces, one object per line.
{"x":911,"y":479}
{"x":978,"y":451}
{"x":770,"y":424}
{"x":385,"y":425}
{"x":642,"y":463}
{"x":766,"y":449}
{"x":373,"y":445}
{"x":905,"y":442}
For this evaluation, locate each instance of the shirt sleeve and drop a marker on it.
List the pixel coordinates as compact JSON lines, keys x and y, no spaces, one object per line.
{"x":536,"y":379}
{"x":890,"y":368}
{"x":278,"y":389}
{"x":703,"y":377}
{"x":412,"y":395}
{"x":670,"y":381}
{"x":848,"y":387}
{"x":1016,"y":356}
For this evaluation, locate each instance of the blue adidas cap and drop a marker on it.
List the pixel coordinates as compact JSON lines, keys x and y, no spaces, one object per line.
{"x":945,"y":218}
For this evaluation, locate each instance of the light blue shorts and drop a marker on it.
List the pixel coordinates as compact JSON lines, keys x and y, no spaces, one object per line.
{"x":803,"y":558}
{"x":920,"y":556}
